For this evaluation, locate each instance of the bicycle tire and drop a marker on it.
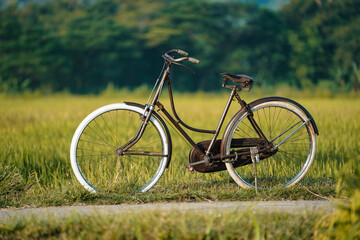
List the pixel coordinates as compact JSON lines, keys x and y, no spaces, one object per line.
{"x":94,"y":159}
{"x":295,"y":155}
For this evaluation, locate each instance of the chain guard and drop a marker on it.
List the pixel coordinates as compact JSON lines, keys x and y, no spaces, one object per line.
{"x":217,"y":166}
{"x":207,"y":167}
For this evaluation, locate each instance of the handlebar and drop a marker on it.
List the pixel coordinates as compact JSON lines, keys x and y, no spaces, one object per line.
{"x":182,"y":53}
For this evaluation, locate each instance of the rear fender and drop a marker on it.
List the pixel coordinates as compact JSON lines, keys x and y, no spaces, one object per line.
{"x":259,"y":101}
{"x":269,"y":99}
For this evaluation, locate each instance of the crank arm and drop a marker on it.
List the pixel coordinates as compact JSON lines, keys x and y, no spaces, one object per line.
{"x":197,"y":163}
{"x":189,"y":166}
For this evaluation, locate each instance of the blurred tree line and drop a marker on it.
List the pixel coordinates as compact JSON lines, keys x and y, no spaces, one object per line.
{"x":82,"y":46}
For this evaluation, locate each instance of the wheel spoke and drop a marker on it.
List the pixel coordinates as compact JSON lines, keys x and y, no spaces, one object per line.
{"x":98,"y":162}
{"x":285,"y":131}
{"x":281,"y":123}
{"x":100,"y":137}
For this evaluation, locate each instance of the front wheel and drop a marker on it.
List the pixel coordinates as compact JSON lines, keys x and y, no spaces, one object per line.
{"x":286,"y":127}
{"x":96,"y":162}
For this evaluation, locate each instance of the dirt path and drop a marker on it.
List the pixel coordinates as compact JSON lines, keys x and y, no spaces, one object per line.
{"x":202,"y":207}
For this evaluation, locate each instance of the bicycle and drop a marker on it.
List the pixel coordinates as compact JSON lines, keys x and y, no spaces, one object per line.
{"x":268,"y":143}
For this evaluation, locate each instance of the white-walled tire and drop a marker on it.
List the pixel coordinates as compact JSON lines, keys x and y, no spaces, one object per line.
{"x":94,"y":159}
{"x":277,"y":119}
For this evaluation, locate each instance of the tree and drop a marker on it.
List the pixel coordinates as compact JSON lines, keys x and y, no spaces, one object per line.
{"x":324,"y":39}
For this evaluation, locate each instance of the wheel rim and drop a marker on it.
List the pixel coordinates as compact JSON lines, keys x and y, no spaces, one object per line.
{"x":294,"y":156}
{"x":101,"y":168}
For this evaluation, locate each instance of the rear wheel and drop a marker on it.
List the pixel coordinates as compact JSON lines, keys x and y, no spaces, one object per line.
{"x":94,"y":158}
{"x":284,"y":125}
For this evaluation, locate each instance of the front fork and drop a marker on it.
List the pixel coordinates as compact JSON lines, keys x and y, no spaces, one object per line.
{"x":145,"y":120}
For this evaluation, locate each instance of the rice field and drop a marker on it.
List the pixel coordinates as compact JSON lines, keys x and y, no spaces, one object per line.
{"x":36,"y":132}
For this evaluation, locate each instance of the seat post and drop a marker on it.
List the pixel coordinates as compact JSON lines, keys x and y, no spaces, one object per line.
{"x":217,"y":131}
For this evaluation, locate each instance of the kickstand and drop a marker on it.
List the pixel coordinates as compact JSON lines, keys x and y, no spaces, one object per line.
{"x":255,"y":159}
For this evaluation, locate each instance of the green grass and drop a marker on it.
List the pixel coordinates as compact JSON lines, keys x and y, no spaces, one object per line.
{"x":36,"y":132}
{"x":166,"y":225}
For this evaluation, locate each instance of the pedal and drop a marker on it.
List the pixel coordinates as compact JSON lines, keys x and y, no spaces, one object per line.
{"x":189,"y":167}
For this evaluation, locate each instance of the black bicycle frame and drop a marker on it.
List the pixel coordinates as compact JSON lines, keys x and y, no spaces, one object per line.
{"x":177,"y":121}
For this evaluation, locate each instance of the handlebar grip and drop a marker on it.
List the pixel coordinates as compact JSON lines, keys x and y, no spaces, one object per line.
{"x":181,"y":52}
{"x":194,"y":60}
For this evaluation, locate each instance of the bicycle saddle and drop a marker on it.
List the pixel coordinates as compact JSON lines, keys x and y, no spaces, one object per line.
{"x":238,"y":78}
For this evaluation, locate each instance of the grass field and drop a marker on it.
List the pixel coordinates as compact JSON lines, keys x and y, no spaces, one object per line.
{"x":35,"y":170}
{"x":36,"y":133}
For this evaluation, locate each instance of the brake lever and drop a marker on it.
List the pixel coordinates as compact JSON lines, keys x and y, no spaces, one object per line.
{"x":183,"y":65}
